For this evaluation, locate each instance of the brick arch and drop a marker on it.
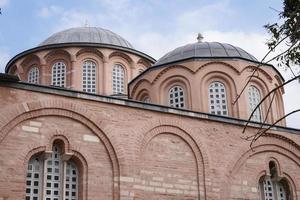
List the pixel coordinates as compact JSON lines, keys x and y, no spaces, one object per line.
{"x":122,"y":55}
{"x":172,"y":81}
{"x":58,"y":136}
{"x":20,"y":113}
{"x":89,"y":50}
{"x":132,"y":93}
{"x":53,"y":54}
{"x":251,"y":67}
{"x":275,"y":144}
{"x":190,"y":137}
{"x":75,"y":155}
{"x":169,"y":68}
{"x":218,"y":63}
{"x":230,"y":86}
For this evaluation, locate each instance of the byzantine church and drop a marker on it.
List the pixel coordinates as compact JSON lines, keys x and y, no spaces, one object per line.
{"x":86,"y":116}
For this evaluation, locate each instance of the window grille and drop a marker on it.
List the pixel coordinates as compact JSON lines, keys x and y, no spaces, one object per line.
{"x":217,"y":99}
{"x":176,"y":97}
{"x":59,"y":74}
{"x":33,"y":75}
{"x":89,"y":77}
{"x":118,"y":75}
{"x":253,"y":101}
{"x":60,"y":177}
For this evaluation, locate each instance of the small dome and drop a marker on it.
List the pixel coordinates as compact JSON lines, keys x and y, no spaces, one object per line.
{"x":205,"y":50}
{"x":87,"y":35}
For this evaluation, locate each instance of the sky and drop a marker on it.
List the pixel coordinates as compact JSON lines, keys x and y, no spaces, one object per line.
{"x":151,"y":26}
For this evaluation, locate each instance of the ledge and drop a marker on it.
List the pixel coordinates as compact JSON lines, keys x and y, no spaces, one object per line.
{"x":13,"y":82}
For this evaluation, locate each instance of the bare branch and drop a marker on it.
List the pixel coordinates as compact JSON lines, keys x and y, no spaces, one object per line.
{"x":256,"y":68}
{"x":260,"y":133}
{"x":265,"y":97}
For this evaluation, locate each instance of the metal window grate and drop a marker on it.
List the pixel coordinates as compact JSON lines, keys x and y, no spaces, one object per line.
{"x":253,"y":101}
{"x":217,"y":99}
{"x":59,"y":74}
{"x":118,"y":82}
{"x":71,"y":181}
{"x":53,"y":175}
{"x":89,"y":77}
{"x":33,"y":75}
{"x":33,"y":179}
{"x":176,"y":97}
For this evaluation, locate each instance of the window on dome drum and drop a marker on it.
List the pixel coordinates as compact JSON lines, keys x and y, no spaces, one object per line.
{"x":140,"y":70}
{"x":273,"y":187}
{"x":118,"y":75}
{"x":59,"y":74}
{"x":253,"y":100}
{"x":176,"y":97}
{"x":89,"y":76}
{"x":50,"y":182}
{"x":33,"y":75}
{"x":217,"y":99}
{"x":146,"y":99}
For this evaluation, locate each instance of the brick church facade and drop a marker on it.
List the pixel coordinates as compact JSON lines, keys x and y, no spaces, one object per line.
{"x":85,"y":116}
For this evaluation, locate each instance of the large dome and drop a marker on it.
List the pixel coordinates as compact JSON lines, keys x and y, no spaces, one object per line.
{"x":205,"y":50}
{"x":93,"y":35}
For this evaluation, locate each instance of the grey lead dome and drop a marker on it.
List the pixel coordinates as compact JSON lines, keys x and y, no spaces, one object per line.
{"x":205,"y":50}
{"x":87,"y":35}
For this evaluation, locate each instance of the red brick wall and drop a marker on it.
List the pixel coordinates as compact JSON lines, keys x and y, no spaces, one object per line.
{"x":130,"y":153}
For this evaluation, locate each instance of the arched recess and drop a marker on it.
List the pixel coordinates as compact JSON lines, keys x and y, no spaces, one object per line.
{"x":230,"y":86}
{"x":276,"y":148}
{"x":170,"y":136}
{"x":122,"y":55}
{"x":225,"y":66}
{"x":68,"y":110}
{"x":178,"y":68}
{"x":171,"y":81}
{"x":54,"y":56}
{"x":28,"y":63}
{"x":144,"y":62}
{"x":138,"y":87}
{"x":90,"y":51}
{"x":251,"y":68}
{"x":143,"y":95}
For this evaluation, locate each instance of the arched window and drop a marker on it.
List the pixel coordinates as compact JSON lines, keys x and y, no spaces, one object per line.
{"x":89,"y":76}
{"x":253,"y":100}
{"x":217,"y":99}
{"x":59,"y":74}
{"x":140,"y":71}
{"x":33,"y":75}
{"x":176,"y":97}
{"x":118,"y":77}
{"x":146,"y":99}
{"x":59,"y":178}
{"x":274,"y":187}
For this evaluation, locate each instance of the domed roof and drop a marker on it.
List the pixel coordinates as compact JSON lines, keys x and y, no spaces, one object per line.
{"x":87,"y":35}
{"x":205,"y":50}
